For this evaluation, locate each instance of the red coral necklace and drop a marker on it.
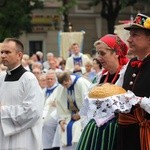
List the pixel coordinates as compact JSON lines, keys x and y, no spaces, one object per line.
{"x":115,"y":77}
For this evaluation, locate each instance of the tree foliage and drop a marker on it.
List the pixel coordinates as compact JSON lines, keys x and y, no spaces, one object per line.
{"x":15,"y":16}
{"x":64,"y":10}
{"x":111,"y":8}
{"x":67,"y":5}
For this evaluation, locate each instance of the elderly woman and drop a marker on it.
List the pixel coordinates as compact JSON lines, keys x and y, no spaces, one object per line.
{"x":111,"y":52}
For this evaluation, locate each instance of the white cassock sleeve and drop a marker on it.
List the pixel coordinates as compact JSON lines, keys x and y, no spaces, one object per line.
{"x":23,"y":107}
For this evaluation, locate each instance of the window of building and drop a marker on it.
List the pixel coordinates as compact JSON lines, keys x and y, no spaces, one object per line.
{"x":35,"y":46}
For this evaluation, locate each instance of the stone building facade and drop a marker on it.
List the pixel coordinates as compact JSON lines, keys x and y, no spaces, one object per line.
{"x":48,"y":23}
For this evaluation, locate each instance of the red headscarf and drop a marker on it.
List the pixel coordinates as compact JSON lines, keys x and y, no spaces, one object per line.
{"x":116,"y":44}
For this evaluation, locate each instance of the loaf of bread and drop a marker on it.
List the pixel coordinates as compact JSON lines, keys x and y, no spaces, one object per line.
{"x":105,"y":90}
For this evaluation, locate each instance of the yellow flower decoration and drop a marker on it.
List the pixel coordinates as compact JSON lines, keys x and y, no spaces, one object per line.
{"x":147,"y":23}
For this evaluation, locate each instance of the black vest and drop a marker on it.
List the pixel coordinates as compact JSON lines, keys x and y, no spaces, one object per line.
{"x":138,"y":79}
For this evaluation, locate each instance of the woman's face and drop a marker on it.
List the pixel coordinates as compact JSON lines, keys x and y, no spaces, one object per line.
{"x":88,"y":67}
{"x":95,"y":64}
{"x":106,"y":56}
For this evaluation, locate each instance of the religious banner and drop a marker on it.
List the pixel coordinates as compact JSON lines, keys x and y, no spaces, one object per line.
{"x":66,"y":39}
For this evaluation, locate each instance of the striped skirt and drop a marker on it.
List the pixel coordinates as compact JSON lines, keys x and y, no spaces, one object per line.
{"x":99,"y":138}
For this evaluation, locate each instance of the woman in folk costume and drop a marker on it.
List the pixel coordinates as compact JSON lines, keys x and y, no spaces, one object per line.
{"x":68,"y":103}
{"x":111,"y":52}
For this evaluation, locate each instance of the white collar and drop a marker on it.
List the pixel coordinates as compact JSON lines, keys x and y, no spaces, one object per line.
{"x":9,"y":71}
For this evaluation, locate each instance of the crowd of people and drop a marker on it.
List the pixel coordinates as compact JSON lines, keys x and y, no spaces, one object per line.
{"x":44,"y":105}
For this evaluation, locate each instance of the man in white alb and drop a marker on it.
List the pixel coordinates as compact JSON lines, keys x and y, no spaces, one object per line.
{"x":21,"y":102}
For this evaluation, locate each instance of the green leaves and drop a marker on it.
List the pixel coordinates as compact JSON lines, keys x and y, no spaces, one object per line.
{"x":125,"y":3}
{"x":15,"y":17}
{"x":67,"y":5}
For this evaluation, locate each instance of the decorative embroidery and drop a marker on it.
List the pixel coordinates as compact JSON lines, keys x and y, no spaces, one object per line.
{"x":71,"y":101}
{"x":77,"y":61}
{"x":147,"y":23}
{"x":103,"y":108}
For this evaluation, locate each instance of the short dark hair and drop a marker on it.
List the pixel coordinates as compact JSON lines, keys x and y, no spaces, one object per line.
{"x":73,"y":44}
{"x":98,"y":62}
{"x":19,"y":44}
{"x":147,"y":32}
{"x":65,"y":76}
{"x":63,"y":62}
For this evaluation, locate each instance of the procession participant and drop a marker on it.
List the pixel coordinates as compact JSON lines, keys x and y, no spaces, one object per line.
{"x":111,"y":53}
{"x":50,"y":118}
{"x":21,"y":104}
{"x":133,"y":131}
{"x":76,"y":62}
{"x":68,"y":103}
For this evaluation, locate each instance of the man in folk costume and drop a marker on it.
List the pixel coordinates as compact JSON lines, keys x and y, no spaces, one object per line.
{"x":69,"y":102}
{"x":21,"y":104}
{"x":76,"y":62}
{"x":134,"y":127}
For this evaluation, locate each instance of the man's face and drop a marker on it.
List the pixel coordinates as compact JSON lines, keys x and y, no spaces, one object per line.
{"x":50,"y":79}
{"x":37,"y":72}
{"x":67,"y":84}
{"x":9,"y":55}
{"x":53,"y":64}
{"x":138,"y":42}
{"x":75,"y":49}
